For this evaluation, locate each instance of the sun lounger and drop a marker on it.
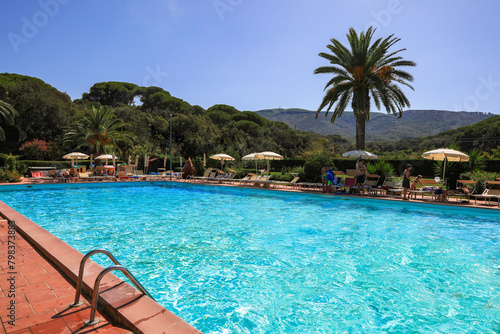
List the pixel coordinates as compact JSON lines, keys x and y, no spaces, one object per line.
{"x":349,"y":182}
{"x":139,"y":175}
{"x":211,"y":177}
{"x":226,"y":177}
{"x":489,"y":193}
{"x":371,"y":184}
{"x":250,"y":180}
{"x":175,"y":175}
{"x":57,"y":176}
{"x":292,"y":183}
{"x":84,"y":176}
{"x":122,"y":176}
{"x":393,"y":186}
{"x":310,"y":185}
{"x":100,"y":171}
{"x":205,"y":176}
{"x":429,"y":187}
{"x":465,"y":188}
{"x":371,"y":181}
{"x":351,"y":172}
{"x":93,"y":177}
{"x":263,"y":180}
{"x":38,"y":177}
{"x":243,"y":179}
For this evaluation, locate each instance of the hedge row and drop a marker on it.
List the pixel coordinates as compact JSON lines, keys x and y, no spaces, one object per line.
{"x":420,"y":166}
{"x":423,"y":167}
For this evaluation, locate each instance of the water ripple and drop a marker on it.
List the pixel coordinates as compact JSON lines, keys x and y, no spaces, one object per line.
{"x":240,"y":261}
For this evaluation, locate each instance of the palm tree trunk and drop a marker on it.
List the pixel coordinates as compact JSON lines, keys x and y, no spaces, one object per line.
{"x":361,"y":110}
{"x":360,"y":131}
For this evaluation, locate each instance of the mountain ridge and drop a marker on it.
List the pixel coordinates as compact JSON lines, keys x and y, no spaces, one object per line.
{"x":380,"y":127}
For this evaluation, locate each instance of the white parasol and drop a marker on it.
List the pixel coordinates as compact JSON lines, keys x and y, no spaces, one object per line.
{"x":222,"y":157}
{"x":269,"y":156}
{"x":252,"y":156}
{"x":360,"y":154}
{"x":445,"y":154}
{"x":106,"y":157}
{"x":75,"y":156}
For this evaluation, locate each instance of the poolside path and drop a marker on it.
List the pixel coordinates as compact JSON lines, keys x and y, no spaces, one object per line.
{"x":37,"y":294}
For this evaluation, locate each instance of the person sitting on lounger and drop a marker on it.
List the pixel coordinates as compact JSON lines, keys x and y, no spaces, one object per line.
{"x":441,"y":195}
{"x":462,"y":189}
{"x":414,"y":184}
{"x":73,"y":175}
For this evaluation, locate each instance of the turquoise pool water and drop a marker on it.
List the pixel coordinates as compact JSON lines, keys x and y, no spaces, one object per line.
{"x":231,"y":260}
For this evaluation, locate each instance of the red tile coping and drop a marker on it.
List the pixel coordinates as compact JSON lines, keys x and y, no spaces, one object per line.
{"x":118,"y":300}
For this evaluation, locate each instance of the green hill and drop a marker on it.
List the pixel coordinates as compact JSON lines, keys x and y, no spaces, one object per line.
{"x":381,"y":127}
{"x":46,"y":115}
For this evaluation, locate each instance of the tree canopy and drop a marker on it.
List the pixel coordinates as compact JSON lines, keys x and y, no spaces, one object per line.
{"x":97,"y":128}
{"x":7,"y":112}
{"x":362,"y":72}
{"x":108,"y":109}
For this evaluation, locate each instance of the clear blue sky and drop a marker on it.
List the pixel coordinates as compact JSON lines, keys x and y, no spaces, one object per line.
{"x":251,"y":54}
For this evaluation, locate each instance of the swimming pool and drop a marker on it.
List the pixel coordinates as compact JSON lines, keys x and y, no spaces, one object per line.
{"x":231,"y":260}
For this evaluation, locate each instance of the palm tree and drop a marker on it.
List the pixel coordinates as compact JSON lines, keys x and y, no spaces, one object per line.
{"x":97,"y":128}
{"x":7,"y":112}
{"x":366,"y":70}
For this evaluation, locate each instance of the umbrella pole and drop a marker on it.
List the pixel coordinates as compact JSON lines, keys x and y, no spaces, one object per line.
{"x":444,"y":170}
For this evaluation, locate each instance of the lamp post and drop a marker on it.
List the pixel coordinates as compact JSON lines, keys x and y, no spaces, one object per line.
{"x":170,"y":121}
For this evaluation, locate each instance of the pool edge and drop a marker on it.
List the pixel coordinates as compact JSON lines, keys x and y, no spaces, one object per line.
{"x":119,"y":301}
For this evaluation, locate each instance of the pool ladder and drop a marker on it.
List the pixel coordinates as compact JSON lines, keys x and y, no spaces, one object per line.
{"x":95,"y":293}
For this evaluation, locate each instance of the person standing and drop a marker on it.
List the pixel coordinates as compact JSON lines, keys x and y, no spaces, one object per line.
{"x":406,"y":181}
{"x":324,"y":174}
{"x":361,"y":176}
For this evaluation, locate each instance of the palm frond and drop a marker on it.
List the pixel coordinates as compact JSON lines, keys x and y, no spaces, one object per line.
{"x":362,"y":70}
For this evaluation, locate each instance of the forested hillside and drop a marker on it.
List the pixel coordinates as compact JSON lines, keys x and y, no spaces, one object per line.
{"x":45,"y":113}
{"x":483,"y":136}
{"x":381,"y":127}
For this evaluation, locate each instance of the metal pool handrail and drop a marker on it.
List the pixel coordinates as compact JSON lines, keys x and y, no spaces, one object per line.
{"x":95,"y":294}
{"x":77,"y":301}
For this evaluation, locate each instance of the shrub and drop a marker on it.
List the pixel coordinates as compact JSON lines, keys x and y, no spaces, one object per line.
{"x":9,"y":176}
{"x":480,"y":177}
{"x":312,"y":167}
{"x":380,"y":167}
{"x":34,"y":150}
{"x":10,"y":172}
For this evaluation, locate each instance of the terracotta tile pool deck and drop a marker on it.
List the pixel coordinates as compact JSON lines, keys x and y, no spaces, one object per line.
{"x":37,"y":283}
{"x":35,"y":296}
